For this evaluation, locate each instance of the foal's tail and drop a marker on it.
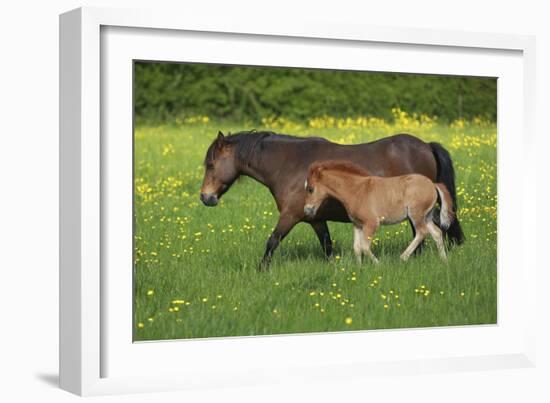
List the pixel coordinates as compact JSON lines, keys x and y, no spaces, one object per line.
{"x":446,"y":175}
{"x":446,"y":216}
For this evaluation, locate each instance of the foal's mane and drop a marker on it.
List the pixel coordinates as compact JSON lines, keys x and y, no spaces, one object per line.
{"x":343,"y":166}
{"x":248,"y":144}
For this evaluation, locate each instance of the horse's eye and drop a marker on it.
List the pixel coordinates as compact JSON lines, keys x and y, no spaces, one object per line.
{"x":309,"y":189}
{"x":209,"y":165}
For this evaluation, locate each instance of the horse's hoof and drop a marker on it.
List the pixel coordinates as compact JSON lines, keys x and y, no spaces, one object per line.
{"x":264,"y":266}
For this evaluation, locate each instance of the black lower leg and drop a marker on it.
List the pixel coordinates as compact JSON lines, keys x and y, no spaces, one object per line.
{"x":454,"y":233}
{"x":321,"y":229}
{"x":270,"y":247}
{"x":285,"y":224}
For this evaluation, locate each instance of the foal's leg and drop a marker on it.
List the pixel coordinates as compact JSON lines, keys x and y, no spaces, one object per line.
{"x":437,"y":235}
{"x":321,"y":229}
{"x":284,"y":225}
{"x":358,"y":243}
{"x":421,"y":232}
{"x":368,"y":233}
{"x":418,"y":250}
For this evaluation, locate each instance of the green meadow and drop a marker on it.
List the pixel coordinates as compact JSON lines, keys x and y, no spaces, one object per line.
{"x":195,"y":267}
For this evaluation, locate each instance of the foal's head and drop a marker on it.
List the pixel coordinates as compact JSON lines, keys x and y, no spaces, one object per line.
{"x":318,"y":180}
{"x":221,"y":170}
{"x":316,"y":192}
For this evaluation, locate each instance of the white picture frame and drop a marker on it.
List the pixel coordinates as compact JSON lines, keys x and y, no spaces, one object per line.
{"x":86,"y":346}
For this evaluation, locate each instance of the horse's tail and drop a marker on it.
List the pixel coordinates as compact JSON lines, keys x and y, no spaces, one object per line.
{"x":446,"y":175}
{"x":446,"y":216}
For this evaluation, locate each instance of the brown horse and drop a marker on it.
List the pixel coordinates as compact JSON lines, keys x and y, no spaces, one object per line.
{"x":280,"y":162}
{"x":371,"y":201}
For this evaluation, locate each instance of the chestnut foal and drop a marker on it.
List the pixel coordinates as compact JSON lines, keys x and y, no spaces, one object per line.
{"x":371,"y":201}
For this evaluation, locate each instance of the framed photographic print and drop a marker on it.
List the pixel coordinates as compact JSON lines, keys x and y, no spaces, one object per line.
{"x":237,"y":197}
{"x":208,"y":255}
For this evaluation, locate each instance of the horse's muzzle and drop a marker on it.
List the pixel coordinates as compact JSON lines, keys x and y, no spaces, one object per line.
{"x":309,"y":210}
{"x":209,"y":199}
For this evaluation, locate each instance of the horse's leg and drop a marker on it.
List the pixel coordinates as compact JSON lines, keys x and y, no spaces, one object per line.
{"x":437,"y":235}
{"x":368,"y":233}
{"x":419,"y":248}
{"x":321,"y":229}
{"x":454,"y":233}
{"x":421,"y":232}
{"x":284,"y":225}
{"x":358,"y":243}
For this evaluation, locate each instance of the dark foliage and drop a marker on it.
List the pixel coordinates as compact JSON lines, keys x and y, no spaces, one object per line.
{"x":164,"y":91}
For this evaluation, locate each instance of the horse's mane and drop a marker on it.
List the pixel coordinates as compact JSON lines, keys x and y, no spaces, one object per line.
{"x":336,"y":165}
{"x":247,"y":143}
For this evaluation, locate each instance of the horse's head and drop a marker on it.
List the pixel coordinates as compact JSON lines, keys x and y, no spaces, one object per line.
{"x":316,"y":192}
{"x":220,"y":171}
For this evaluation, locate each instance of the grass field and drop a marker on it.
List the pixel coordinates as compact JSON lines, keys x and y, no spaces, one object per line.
{"x":195,"y":267}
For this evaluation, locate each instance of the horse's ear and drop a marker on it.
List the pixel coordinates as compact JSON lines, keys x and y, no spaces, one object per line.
{"x":220,"y":139}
